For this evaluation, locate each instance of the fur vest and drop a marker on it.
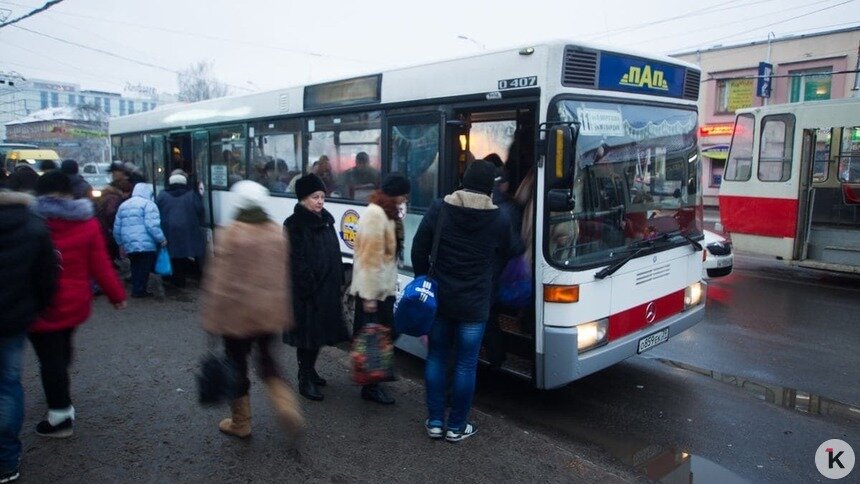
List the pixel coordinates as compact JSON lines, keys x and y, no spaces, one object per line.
{"x":374,"y":275}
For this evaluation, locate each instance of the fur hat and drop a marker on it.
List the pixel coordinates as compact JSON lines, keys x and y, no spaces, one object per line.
{"x":250,"y":193}
{"x":54,"y":182}
{"x":69,"y":167}
{"x":309,"y":184}
{"x":395,"y":185}
{"x":480,"y":176}
{"x":177,"y":179}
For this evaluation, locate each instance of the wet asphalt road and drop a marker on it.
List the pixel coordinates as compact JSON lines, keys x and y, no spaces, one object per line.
{"x":703,"y":406}
{"x":706,"y":405}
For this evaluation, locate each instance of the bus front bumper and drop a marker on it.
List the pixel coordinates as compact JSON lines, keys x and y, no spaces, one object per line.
{"x":562,"y":364}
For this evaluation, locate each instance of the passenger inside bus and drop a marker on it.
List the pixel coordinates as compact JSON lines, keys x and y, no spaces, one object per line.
{"x":360,"y":180}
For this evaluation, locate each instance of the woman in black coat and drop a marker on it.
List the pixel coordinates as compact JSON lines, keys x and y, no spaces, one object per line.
{"x":317,"y":282}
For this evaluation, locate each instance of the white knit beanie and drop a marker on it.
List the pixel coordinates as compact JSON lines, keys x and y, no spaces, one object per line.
{"x":249,"y":194}
{"x":177,"y":180}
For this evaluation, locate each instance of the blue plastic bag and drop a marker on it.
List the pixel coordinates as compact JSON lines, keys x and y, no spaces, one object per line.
{"x":416,"y":309}
{"x":162,"y":263}
{"x":515,"y":284}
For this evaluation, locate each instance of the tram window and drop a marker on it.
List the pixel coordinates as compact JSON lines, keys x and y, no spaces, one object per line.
{"x":821,"y":159}
{"x":415,"y":153}
{"x":227,"y":156}
{"x":739,"y":165}
{"x":774,"y":160}
{"x":351,"y":142}
{"x":277,"y":155}
{"x":849,"y":155}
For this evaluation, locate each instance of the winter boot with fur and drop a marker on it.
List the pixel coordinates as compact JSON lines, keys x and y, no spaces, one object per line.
{"x":239,"y":424}
{"x":286,"y":405}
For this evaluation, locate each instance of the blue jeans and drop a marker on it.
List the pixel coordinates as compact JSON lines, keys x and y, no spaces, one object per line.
{"x":11,"y":401}
{"x":466,"y":338}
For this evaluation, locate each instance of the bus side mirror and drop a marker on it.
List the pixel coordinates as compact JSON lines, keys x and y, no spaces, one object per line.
{"x":559,"y":154}
{"x":560,"y":200}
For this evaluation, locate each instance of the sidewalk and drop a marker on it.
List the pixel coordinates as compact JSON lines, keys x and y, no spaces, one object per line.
{"x":138,"y":419}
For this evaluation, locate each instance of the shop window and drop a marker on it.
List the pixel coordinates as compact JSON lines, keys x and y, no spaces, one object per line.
{"x":734,"y":94}
{"x":351,"y":145}
{"x":812,"y":85}
{"x":718,"y":167}
{"x":774,"y":160}
{"x":739,"y":165}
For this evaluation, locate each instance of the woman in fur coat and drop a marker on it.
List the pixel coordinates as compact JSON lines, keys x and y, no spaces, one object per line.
{"x":317,"y":274}
{"x":378,"y":248}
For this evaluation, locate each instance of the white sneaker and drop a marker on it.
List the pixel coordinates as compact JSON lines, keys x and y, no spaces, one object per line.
{"x":467,"y":431}
{"x":433,"y":431}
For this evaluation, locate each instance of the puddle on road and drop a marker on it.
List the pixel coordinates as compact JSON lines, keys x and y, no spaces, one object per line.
{"x":789,"y":398}
{"x":668,"y":465}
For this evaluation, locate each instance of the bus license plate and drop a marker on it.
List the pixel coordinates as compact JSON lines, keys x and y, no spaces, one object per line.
{"x":653,"y":340}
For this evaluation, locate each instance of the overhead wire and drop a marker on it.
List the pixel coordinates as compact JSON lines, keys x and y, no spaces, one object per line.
{"x":29,"y":14}
{"x":769,"y":25}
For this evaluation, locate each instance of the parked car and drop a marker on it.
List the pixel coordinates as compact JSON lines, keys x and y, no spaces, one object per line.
{"x":97,"y":175}
{"x":719,"y":259}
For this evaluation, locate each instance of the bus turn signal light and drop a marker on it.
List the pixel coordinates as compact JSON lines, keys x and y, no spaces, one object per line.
{"x":560,"y":294}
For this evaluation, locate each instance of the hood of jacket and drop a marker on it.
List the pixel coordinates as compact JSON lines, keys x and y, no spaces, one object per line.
{"x":142,"y":190}
{"x":471,"y":211}
{"x":14,"y":207}
{"x":64,"y":208}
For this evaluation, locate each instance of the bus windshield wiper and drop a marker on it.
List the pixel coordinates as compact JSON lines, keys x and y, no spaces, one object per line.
{"x":641,"y":246}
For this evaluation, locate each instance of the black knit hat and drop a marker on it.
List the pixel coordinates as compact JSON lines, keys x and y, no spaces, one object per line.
{"x":69,"y":167}
{"x":396,"y":185}
{"x":480,"y":176}
{"x":309,"y":184}
{"x":54,"y":182}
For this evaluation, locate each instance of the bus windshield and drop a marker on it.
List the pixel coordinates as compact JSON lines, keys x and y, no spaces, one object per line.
{"x":636,"y":178}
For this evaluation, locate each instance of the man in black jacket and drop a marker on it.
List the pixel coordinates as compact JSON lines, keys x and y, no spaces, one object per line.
{"x":28,"y":271}
{"x":475,"y":236}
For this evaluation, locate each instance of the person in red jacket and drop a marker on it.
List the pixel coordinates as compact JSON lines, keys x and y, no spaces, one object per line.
{"x":82,"y":256}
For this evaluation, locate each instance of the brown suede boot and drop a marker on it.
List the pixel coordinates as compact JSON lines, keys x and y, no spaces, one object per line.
{"x":286,"y":405}
{"x":239,"y":424}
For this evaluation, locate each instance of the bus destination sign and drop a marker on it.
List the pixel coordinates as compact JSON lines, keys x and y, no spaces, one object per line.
{"x":632,"y":74}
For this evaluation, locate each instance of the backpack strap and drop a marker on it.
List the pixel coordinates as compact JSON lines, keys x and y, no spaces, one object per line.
{"x":437,"y":234}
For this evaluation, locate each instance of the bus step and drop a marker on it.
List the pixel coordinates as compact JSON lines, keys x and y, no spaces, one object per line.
{"x":519,"y":366}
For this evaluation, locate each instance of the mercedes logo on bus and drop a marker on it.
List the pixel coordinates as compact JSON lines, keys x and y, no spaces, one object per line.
{"x":650,"y":312}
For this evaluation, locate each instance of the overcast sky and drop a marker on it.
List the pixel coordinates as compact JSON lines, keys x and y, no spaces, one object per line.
{"x":257,"y":44}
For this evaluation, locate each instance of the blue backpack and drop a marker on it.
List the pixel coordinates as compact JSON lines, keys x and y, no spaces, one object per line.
{"x":416,"y":310}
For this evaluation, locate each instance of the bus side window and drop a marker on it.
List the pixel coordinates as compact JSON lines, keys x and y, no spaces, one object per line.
{"x":774,"y":160}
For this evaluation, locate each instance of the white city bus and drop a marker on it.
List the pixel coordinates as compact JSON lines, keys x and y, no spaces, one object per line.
{"x":792,"y":183}
{"x":604,"y":142}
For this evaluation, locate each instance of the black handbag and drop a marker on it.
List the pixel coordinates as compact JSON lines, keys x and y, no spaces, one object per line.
{"x":217,"y":379}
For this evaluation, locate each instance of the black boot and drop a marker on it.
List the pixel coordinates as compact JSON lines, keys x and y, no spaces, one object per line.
{"x":307,"y":386}
{"x":375,"y":393}
{"x":317,"y":379}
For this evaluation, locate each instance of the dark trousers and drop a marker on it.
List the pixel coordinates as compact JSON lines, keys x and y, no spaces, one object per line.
{"x":54,"y":350}
{"x":141,"y":265}
{"x":238,"y":349}
{"x":307,"y":359}
{"x":384,"y":315}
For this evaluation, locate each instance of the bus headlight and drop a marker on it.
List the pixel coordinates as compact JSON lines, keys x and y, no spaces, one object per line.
{"x":590,"y":335}
{"x":694,"y":295}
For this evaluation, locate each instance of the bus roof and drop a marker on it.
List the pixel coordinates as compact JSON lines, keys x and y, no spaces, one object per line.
{"x":474,"y":74}
{"x":15,"y":155}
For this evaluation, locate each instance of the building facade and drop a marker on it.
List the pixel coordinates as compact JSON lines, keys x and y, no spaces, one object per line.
{"x":20,"y":97}
{"x":76,"y":132}
{"x":805,"y":68}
